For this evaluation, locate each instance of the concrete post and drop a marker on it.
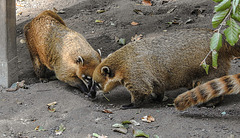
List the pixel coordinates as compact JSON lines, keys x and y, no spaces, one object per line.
{"x":8,"y":48}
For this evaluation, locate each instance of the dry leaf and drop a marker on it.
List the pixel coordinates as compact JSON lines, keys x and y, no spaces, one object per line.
{"x":39,"y":128}
{"x":20,"y":13}
{"x":147,"y":2}
{"x":101,"y":11}
{"x":134,"y":23}
{"x":138,"y":11}
{"x":51,"y":109}
{"x":107,"y":111}
{"x":171,"y":10}
{"x":52,"y":103}
{"x":19,"y":5}
{"x":51,"y":106}
{"x":148,"y":119}
{"x":60,"y":130}
{"x":136,"y":37}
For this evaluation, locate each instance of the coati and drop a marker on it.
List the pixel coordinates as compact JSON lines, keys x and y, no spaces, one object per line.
{"x":52,"y":45}
{"x":221,"y":86}
{"x":164,"y":62}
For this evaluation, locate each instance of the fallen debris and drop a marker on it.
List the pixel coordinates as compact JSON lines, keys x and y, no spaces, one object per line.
{"x":148,"y":119}
{"x":15,"y":86}
{"x":140,"y":133}
{"x":136,"y":37}
{"x":107,"y":111}
{"x":60,"y":130}
{"x":51,"y":106}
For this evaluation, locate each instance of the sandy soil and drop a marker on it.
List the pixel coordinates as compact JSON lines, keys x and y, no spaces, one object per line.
{"x":25,"y":109}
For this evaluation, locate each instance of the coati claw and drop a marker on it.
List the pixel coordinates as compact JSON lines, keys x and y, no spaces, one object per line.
{"x":43,"y":80}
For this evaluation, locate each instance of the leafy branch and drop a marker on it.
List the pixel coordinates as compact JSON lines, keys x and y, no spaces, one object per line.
{"x":227,"y":12}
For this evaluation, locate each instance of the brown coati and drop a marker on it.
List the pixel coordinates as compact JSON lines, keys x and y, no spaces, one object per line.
{"x":221,"y":86}
{"x":165,"y":62}
{"x":52,"y":45}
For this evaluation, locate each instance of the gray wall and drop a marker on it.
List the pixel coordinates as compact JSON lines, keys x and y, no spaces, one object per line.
{"x":8,"y":48}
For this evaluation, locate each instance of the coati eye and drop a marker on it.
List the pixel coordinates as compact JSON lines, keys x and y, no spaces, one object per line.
{"x":105,"y":70}
{"x":79,"y":60}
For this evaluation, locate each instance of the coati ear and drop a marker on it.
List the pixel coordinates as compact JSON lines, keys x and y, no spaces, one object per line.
{"x":79,"y":60}
{"x":105,"y":70}
{"x":99,"y":52}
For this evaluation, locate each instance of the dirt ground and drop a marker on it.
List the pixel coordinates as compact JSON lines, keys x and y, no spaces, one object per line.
{"x":24,"y":110}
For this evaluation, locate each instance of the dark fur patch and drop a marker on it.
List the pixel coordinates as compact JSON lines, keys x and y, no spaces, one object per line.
{"x":238,"y":76}
{"x":214,"y":87}
{"x":194,"y":97}
{"x":228,"y":82}
{"x":202,"y":93}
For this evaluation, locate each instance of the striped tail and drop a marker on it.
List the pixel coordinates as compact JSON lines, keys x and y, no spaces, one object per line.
{"x":221,"y":86}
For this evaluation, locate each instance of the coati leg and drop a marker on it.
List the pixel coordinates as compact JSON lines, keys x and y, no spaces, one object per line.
{"x":139,"y":92}
{"x":137,"y":99}
{"x":158,"y":92}
{"x":39,"y":69}
{"x":158,"y":96}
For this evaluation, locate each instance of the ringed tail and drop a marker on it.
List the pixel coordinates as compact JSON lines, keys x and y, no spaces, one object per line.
{"x":225,"y":85}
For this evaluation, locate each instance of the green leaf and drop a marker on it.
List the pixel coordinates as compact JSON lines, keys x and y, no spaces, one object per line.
{"x":232,"y":32}
{"x":219,"y":17}
{"x":222,"y":6}
{"x":236,"y":15}
{"x":126,"y":122}
{"x":217,"y":0}
{"x":205,"y":66}
{"x":117,"y":125}
{"x":140,"y":133}
{"x":99,"y":21}
{"x":235,"y":5}
{"x":216,"y":41}
{"x":96,"y":135}
{"x":122,"y":41}
{"x":214,"y":59}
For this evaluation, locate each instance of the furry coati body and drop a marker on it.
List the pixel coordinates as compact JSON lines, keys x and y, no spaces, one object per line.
{"x":52,"y":45}
{"x":165,"y":62}
{"x":221,"y":86}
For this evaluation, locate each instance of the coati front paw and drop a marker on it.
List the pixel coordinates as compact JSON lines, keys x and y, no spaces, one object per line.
{"x":158,"y":97}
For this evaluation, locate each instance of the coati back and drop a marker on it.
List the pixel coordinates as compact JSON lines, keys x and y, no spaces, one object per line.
{"x":221,"y":86}
{"x":52,"y":45}
{"x":165,"y":62}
